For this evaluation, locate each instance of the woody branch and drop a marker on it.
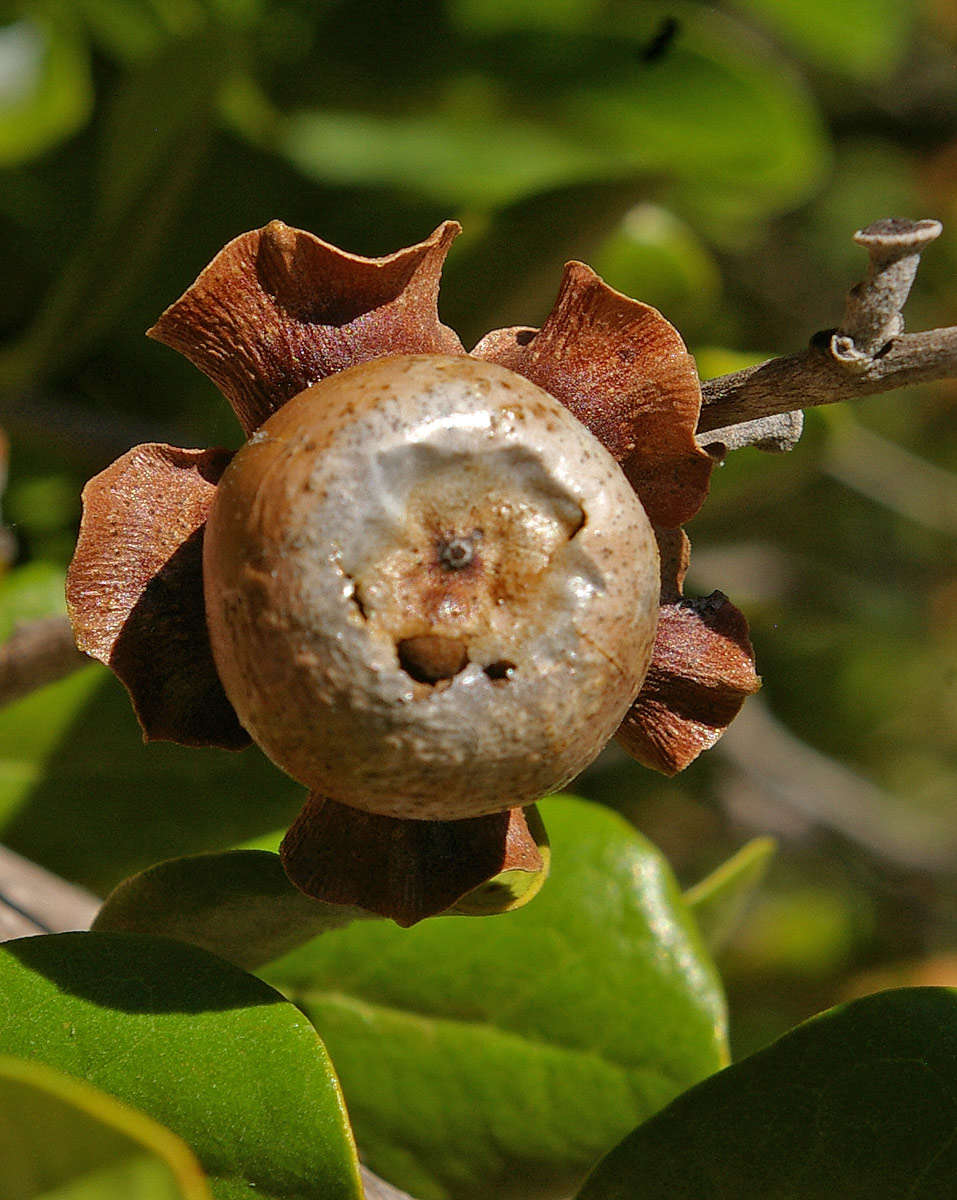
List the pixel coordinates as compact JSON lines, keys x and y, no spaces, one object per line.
{"x":760,"y":406}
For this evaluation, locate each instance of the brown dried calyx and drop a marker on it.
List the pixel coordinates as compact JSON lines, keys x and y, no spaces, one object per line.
{"x":428,"y":584}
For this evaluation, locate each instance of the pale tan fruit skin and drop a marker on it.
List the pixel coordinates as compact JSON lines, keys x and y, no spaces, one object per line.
{"x":323,"y":551}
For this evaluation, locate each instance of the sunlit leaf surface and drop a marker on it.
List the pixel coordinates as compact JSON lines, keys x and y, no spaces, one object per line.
{"x":206,"y":1050}
{"x":857,"y":1103}
{"x":503,"y":1055}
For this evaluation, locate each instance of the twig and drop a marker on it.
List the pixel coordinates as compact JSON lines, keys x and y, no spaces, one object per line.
{"x":33,"y":900}
{"x":816,"y":790}
{"x":816,"y":377}
{"x":872,"y":313}
{"x":377,"y":1189}
{"x":775,"y":434}
{"x":37,"y":653}
{"x":866,"y":355}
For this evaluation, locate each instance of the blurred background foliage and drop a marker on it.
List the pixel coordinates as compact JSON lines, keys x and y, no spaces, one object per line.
{"x":710,"y":159}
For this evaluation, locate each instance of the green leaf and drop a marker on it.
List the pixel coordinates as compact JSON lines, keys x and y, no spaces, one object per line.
{"x":873,"y":35}
{"x":60,"y":1135}
{"x":210,"y":1052}
{"x":719,"y":901}
{"x":451,"y":158}
{"x":151,"y":141}
{"x":239,"y":905}
{"x":857,"y":1103}
{"x":717,"y":114}
{"x":45,"y":89}
{"x":501,"y":1057}
{"x":81,"y":793}
{"x":28,"y":592}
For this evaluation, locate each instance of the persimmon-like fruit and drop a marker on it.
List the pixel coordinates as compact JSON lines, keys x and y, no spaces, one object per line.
{"x":431,"y":592}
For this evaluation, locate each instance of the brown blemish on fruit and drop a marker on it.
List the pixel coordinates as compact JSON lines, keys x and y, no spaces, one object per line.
{"x":430,"y":658}
{"x":502,"y":640}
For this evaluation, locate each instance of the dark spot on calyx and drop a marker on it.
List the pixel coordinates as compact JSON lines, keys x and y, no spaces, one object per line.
{"x":430,"y":658}
{"x":457,"y":551}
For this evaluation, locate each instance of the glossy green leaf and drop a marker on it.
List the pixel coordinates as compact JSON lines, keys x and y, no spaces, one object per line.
{"x":60,"y":1137}
{"x":45,"y":89}
{"x":859,"y":1102}
{"x":208,"y":1051}
{"x":81,"y":793}
{"x":720,"y":900}
{"x":239,"y":905}
{"x":501,"y":1057}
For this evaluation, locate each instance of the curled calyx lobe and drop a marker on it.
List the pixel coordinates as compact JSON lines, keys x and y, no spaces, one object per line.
{"x":277,"y":311}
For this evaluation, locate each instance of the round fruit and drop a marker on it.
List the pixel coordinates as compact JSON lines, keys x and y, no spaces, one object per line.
{"x":431,"y":592}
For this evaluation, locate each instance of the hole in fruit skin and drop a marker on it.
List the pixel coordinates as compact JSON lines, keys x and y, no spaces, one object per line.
{"x":430,"y":658}
{"x":352,"y":595}
{"x":500,"y":671}
{"x":360,"y":607}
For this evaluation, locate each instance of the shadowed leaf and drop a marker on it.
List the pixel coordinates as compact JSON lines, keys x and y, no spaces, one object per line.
{"x":859,"y":1102}
{"x":215,"y":1055}
{"x":238,"y":904}
{"x":541,"y":1032}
